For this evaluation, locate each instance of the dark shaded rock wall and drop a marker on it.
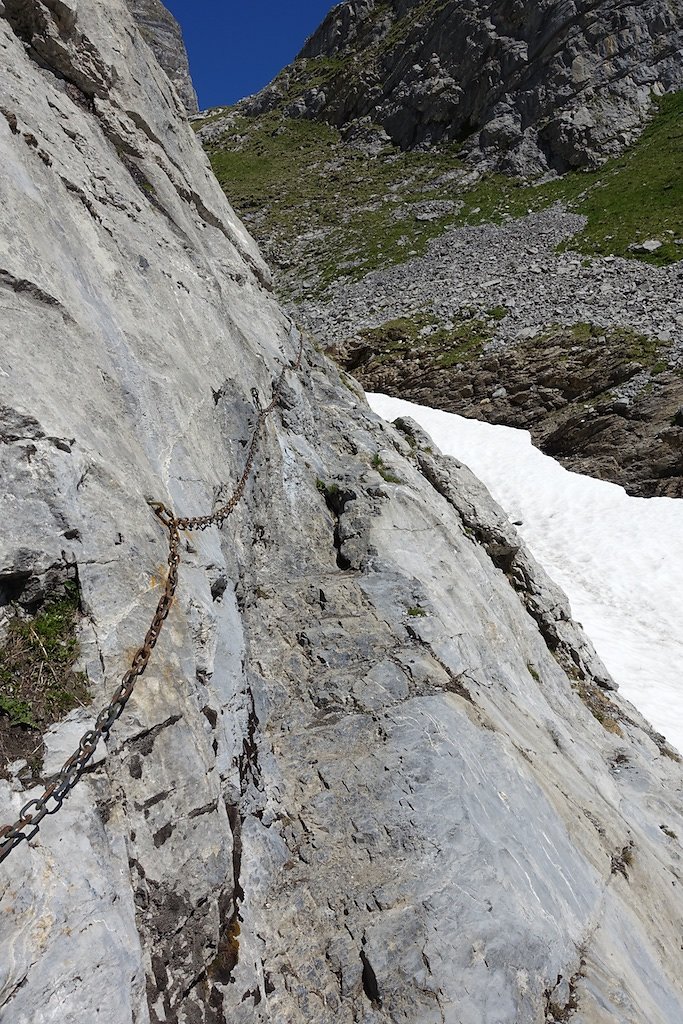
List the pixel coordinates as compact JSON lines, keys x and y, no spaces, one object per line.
{"x":164,"y":35}
{"x":529,"y":85}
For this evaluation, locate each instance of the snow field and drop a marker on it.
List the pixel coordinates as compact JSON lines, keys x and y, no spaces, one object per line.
{"x":619,"y":559}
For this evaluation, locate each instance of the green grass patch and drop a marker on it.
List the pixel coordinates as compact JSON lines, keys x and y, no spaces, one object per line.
{"x":384,"y":471}
{"x":464,"y":342}
{"x":497,"y":313}
{"x":442,"y":346}
{"x":400,"y":332}
{"x":38,"y":685}
{"x":19,"y":712}
{"x":296,"y":179}
{"x":628,"y":345}
{"x":639,"y":196}
{"x":330,"y":211}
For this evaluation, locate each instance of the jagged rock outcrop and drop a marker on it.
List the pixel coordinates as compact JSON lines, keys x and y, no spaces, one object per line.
{"x":526,"y":85}
{"x":164,"y":35}
{"x":588,"y":396}
{"x":495,"y":323}
{"x":374,"y":771}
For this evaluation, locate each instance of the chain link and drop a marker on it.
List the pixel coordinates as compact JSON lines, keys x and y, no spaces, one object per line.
{"x":52,"y":798}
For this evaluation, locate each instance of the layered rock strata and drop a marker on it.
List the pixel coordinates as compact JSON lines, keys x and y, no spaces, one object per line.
{"x":602,"y":402}
{"x":374,"y":772}
{"x":164,"y":35}
{"x":530,"y":86}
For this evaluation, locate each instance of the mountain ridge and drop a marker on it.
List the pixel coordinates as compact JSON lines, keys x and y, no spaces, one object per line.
{"x":164,"y":34}
{"x":526,"y":87}
{"x":406,"y":248}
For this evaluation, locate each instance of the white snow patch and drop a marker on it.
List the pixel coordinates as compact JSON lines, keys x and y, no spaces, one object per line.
{"x":619,"y":559}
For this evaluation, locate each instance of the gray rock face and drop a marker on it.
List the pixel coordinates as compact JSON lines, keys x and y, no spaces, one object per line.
{"x":529,"y":85}
{"x":164,"y":35}
{"x":367,"y":776}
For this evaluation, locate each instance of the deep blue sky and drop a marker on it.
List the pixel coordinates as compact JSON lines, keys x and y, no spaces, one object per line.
{"x":237,"y":46}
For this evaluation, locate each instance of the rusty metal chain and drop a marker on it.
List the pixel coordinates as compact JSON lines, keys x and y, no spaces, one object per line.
{"x":52,"y":798}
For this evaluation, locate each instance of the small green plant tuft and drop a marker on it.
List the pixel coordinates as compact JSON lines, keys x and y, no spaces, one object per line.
{"x":383,"y":470}
{"x":329,"y":490}
{"x":417,"y":612}
{"x":38,"y":683}
{"x":18,"y":711}
{"x":497,"y":313}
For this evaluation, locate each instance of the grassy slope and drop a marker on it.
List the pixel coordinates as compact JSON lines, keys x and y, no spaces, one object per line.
{"x":290,"y":178}
{"x":301,"y":178}
{"x":640,"y":195}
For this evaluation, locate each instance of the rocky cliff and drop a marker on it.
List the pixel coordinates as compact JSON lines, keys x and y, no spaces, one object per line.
{"x":374,"y":771}
{"x":431,"y":277}
{"x":163,"y":33}
{"x":526,"y":85}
